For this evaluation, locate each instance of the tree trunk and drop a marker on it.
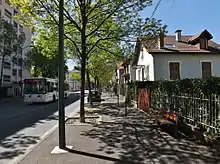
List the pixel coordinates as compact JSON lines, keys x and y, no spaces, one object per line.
{"x":83,"y":60}
{"x":1,"y":75}
{"x":90,"y":90}
{"x":82,"y":110}
{"x":96,"y":83}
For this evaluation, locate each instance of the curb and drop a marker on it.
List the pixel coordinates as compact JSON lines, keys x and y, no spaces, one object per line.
{"x":42,"y":138}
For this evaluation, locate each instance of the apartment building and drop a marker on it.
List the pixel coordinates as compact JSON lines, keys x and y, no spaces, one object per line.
{"x":14,"y":69}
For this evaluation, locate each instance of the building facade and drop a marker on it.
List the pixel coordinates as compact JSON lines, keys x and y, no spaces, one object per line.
{"x":15,"y":68}
{"x":178,"y":57}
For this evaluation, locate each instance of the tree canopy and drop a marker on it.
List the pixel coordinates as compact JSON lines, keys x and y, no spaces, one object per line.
{"x":90,"y":26}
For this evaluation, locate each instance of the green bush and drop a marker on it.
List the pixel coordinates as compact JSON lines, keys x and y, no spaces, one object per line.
{"x":195,"y":85}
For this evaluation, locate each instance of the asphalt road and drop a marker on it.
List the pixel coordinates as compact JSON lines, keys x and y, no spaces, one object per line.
{"x":22,"y":125}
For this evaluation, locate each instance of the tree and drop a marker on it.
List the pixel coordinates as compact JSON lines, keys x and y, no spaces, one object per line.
{"x":88,"y":23}
{"x":75,"y":76}
{"x":43,"y":65}
{"x":102,"y":67}
{"x":10,"y":44}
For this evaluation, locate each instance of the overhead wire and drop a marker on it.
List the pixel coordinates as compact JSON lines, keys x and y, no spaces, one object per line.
{"x":171,"y":6}
{"x":155,"y":9}
{"x":158,"y":4}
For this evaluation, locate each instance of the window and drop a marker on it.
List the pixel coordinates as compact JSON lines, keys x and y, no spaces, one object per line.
{"x":7,"y":64}
{"x":20,"y":73}
{"x":7,"y":78}
{"x":14,"y":61}
{"x":14,"y":72}
{"x":174,"y":68}
{"x":16,"y":25}
{"x":50,"y":87}
{"x":206,"y":70}
{"x":8,"y":14}
{"x":34,"y":87}
{"x":20,"y":62}
{"x":203,"y":43}
{"x":169,"y":46}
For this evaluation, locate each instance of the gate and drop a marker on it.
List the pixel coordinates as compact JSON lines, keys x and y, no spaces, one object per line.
{"x":144,"y":99}
{"x":143,"y":95}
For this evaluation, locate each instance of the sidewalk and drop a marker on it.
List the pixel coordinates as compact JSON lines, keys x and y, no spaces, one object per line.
{"x":120,"y":139}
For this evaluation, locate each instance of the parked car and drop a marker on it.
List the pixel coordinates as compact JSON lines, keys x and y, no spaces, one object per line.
{"x":96,"y":96}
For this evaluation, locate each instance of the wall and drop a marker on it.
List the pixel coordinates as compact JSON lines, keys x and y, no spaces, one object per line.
{"x":25,"y":71}
{"x":190,"y":66}
{"x":144,"y":60}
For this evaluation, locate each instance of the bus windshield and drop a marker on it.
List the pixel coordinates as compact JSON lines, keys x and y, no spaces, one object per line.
{"x":34,"y":86}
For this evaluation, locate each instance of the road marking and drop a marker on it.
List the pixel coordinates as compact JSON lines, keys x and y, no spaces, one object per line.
{"x":42,"y":138}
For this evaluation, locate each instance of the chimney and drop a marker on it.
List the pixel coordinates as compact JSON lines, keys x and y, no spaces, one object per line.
{"x":178,"y":35}
{"x":161,"y":40}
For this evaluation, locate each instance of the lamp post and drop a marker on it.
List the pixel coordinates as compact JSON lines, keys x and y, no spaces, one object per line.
{"x":62,"y":137}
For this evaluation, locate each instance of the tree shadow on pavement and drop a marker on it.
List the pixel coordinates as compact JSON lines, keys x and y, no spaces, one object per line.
{"x":12,"y":147}
{"x":16,"y":145}
{"x":140,"y":140}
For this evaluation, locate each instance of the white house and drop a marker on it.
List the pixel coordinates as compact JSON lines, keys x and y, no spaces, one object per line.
{"x":177,"y":57}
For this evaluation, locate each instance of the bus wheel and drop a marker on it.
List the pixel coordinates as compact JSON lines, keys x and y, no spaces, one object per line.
{"x":54,"y":98}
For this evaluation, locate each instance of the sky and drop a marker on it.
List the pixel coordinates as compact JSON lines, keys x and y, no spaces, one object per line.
{"x":190,"y":16}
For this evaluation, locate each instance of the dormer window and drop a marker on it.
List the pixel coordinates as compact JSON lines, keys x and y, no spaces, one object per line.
{"x":201,"y":39}
{"x":203,"y":43}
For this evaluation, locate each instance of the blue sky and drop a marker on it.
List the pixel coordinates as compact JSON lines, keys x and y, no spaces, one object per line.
{"x":190,"y":16}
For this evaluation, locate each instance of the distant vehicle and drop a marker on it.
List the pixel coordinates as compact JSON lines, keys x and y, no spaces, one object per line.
{"x":96,"y":96}
{"x":41,"y":89}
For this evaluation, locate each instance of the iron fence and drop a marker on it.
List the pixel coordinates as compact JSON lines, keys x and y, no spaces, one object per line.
{"x":196,"y":109}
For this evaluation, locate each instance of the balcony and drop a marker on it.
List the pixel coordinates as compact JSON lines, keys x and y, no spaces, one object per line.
{"x":7,"y":65}
{"x":6,"y":78}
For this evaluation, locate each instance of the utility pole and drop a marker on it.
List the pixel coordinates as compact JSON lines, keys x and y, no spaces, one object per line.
{"x":62,"y":135}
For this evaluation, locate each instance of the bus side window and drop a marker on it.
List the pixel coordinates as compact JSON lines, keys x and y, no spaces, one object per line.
{"x":50,"y":86}
{"x":54,"y":87}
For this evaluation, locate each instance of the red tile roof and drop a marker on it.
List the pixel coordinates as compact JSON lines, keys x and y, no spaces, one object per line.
{"x":186,"y":45}
{"x":183,"y":46}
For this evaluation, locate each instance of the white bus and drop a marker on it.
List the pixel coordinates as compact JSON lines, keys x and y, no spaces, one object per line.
{"x":41,"y":89}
